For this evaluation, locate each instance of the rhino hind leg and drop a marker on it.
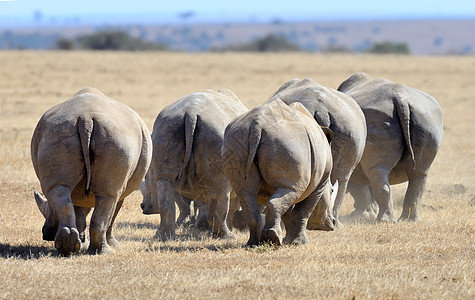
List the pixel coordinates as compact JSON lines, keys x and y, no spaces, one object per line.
{"x":277,"y":206}
{"x":413,"y":195}
{"x":67,"y":240}
{"x":111,"y":240}
{"x":296,"y":221}
{"x":100,"y":223}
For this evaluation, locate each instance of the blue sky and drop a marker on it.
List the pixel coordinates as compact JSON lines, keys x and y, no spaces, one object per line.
{"x":60,"y":11}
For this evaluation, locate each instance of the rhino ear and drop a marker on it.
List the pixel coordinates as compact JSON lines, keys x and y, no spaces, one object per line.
{"x":42,"y":204}
{"x":328,"y":133}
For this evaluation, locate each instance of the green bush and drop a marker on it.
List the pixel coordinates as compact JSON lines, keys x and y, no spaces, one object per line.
{"x":269,"y":43}
{"x":116,"y":40}
{"x":64,"y":44}
{"x":387,"y":47}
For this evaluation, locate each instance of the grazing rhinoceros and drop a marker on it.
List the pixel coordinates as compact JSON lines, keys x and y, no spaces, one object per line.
{"x":277,"y":155}
{"x":342,"y":115}
{"x":187,"y":137}
{"x":404,"y":134}
{"x":88,"y":152}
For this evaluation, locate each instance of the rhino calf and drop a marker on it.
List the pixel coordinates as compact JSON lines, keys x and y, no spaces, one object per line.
{"x":88,"y":152}
{"x":404,"y":134}
{"x":279,"y":156}
{"x":187,"y":137}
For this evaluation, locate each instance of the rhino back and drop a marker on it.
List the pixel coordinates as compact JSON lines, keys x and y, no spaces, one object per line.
{"x":415,"y":131}
{"x":292,"y":149}
{"x":335,"y":110}
{"x":115,"y":145}
{"x":212,"y":111}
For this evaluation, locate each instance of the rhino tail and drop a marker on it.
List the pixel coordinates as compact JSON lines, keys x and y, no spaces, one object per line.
{"x":255,"y":133}
{"x":190,"y":126}
{"x":404,"y":115}
{"x":85,"y":127}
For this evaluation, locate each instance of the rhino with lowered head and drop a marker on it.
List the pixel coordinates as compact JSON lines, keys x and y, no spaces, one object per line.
{"x":186,"y":162}
{"x":342,"y":115}
{"x":404,"y":134}
{"x":88,"y":152}
{"x":277,"y":155}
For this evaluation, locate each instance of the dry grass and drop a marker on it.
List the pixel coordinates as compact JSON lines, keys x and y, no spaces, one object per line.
{"x":433,"y":258}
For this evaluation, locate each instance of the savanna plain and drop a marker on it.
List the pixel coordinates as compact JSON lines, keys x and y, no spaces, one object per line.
{"x":432,"y":258}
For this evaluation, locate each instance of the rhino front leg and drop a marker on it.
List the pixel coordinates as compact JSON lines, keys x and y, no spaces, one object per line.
{"x":253,"y":217}
{"x":414,"y":192}
{"x":166,"y":204}
{"x":218,"y":211}
{"x":277,"y":205}
{"x":184,"y":206}
{"x":100,"y":223}
{"x":111,"y":240}
{"x":81,"y":215}
{"x":364,"y":203}
{"x":382,"y":193}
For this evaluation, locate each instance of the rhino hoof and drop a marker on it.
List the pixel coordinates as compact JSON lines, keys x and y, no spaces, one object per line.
{"x":67,"y":241}
{"x":227,"y":235}
{"x":386,"y":218}
{"x":271,"y":235}
{"x":105,"y":249}
{"x":301,"y":240}
{"x":165,"y":235}
{"x":112,"y":241}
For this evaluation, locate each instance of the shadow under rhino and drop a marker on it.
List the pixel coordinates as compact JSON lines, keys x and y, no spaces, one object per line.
{"x":26,"y":252}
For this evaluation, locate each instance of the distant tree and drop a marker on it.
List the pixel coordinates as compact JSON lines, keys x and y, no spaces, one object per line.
{"x":185,"y":15}
{"x":64,"y":44}
{"x":387,"y":47}
{"x":269,"y":43}
{"x":117,"y":40}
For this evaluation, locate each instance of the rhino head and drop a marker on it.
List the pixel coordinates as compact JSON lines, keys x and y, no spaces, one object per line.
{"x":322,"y":217}
{"x":50,"y":226}
{"x":148,"y":189}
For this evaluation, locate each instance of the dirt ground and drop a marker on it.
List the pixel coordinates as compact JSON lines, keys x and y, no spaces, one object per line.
{"x":431,"y":258}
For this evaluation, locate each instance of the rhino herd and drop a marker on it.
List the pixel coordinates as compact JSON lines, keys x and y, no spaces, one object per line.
{"x":282,"y":167}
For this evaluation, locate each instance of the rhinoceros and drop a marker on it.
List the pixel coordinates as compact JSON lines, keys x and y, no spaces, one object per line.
{"x":187,"y":136}
{"x":88,"y":152}
{"x":342,"y":115}
{"x":277,"y":155}
{"x":404,"y":134}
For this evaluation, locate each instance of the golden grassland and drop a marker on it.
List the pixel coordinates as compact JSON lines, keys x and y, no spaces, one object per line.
{"x":431,"y":258}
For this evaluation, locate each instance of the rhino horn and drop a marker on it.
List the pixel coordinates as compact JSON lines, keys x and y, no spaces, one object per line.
{"x":334,"y":192}
{"x":42,"y":204}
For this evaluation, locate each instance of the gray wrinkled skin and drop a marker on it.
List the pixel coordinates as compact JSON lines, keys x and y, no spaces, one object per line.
{"x":342,"y":115}
{"x":404,"y":134}
{"x":278,"y":156}
{"x":187,"y":137}
{"x":88,"y":152}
